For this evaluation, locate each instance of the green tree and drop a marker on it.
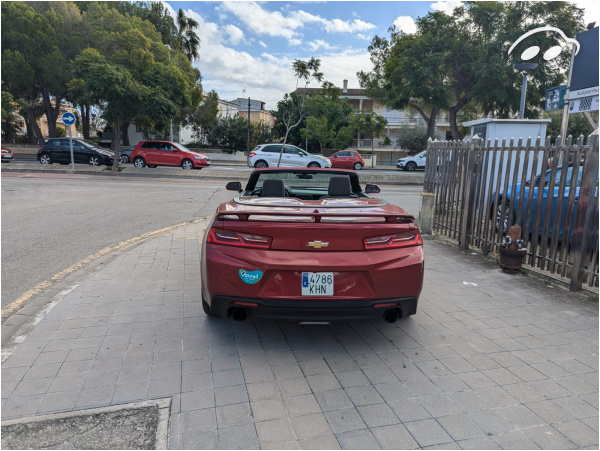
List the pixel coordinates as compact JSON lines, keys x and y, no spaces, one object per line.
{"x":10,"y":130}
{"x":204,"y":116}
{"x":578,"y":125}
{"x":261,"y":133}
{"x":328,"y":120}
{"x":190,"y":42}
{"x":131,"y":74}
{"x":413,"y":139}
{"x":407,"y":72}
{"x":229,"y":134}
{"x":369,"y":124}
{"x":19,"y":80}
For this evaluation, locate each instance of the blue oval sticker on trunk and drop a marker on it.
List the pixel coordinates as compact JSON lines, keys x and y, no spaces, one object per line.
{"x":250,"y":277}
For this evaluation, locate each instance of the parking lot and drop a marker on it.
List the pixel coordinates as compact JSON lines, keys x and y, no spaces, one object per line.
{"x":489,"y":361}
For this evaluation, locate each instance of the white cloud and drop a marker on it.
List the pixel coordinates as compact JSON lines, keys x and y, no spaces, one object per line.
{"x":294,"y":41}
{"x":446,"y":6}
{"x":276,"y":24}
{"x":406,"y":24}
{"x":341,"y":26}
{"x":266,"y":77}
{"x":319,"y":43}
{"x":364,"y":37}
{"x":235,"y":34}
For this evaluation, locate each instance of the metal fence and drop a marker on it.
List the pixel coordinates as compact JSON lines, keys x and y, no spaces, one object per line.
{"x":550,"y":190}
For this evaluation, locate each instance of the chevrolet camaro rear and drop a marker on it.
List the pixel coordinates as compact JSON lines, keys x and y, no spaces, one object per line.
{"x":309,"y":245}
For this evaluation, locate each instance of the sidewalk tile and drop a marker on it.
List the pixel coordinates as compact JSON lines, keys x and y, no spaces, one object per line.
{"x":362,"y":439}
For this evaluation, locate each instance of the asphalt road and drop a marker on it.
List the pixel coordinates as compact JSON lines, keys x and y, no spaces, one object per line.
{"x":52,"y":221}
{"x":233,"y":166}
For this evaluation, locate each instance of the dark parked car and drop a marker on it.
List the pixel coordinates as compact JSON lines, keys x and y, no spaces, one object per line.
{"x":57,"y":150}
{"x":125,"y":154}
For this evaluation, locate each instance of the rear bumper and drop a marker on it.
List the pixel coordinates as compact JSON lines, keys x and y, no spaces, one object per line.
{"x":330,"y":311}
{"x":361,"y":280}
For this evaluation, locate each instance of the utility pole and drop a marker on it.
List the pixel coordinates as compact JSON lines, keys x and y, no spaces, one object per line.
{"x":248,"y":125}
{"x":565,"y":116}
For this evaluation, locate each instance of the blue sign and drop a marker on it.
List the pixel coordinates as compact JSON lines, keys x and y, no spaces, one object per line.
{"x":68,"y":118}
{"x":250,"y":277}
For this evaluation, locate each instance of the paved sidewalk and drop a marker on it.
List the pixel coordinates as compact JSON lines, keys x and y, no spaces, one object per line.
{"x":489,"y":361}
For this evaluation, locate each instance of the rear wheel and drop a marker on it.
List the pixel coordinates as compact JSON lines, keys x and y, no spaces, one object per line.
{"x":314,"y":165}
{"x":502,"y":226}
{"x":187,"y":164}
{"x":261,"y":164}
{"x":45,"y":159}
{"x":411,"y":166}
{"x":357,"y":166}
{"x":139,"y":162}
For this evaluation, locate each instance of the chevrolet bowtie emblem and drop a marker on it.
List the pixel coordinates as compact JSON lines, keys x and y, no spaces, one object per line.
{"x":318,"y":244}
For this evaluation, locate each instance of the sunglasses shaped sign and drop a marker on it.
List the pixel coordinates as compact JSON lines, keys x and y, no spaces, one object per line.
{"x":550,"y":53}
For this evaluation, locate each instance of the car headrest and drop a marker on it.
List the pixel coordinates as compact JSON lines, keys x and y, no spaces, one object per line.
{"x":339,"y":186}
{"x":273,"y":188}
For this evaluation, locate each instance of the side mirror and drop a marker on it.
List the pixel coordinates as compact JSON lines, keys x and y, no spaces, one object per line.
{"x":334,"y":156}
{"x":234,"y":186}
{"x":372,"y":189}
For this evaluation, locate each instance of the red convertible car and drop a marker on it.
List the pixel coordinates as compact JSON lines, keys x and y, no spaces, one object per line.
{"x":310,"y":245}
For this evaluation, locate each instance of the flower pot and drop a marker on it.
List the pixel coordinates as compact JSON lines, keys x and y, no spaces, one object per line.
{"x":511,"y":260}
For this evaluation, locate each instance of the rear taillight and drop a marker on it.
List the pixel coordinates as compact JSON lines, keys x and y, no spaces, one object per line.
{"x":251,"y":154}
{"x":393,"y":241}
{"x":41,"y":147}
{"x":230,"y":238}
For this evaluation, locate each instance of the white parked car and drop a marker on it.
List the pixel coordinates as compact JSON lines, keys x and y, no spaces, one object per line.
{"x":267,"y":156}
{"x":411,"y":163}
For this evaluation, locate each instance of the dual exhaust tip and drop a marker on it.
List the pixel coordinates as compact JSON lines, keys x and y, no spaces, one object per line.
{"x":240,"y":315}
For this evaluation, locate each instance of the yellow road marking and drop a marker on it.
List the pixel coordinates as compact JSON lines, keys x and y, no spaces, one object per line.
{"x":57,"y":277}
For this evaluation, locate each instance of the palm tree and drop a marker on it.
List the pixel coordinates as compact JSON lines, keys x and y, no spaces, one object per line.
{"x":190,"y":42}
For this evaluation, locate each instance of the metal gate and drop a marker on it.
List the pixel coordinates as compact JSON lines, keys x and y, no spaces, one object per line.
{"x":550,"y":190}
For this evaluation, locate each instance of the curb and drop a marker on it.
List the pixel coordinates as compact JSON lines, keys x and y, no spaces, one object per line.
{"x":210,"y":175}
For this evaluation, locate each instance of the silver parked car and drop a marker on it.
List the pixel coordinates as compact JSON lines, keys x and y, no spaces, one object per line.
{"x":267,"y":156}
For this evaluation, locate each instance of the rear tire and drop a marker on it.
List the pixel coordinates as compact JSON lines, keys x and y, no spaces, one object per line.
{"x":507,"y":209}
{"x":357,"y":166}
{"x":261,"y":164}
{"x":139,"y":162}
{"x":45,"y":158}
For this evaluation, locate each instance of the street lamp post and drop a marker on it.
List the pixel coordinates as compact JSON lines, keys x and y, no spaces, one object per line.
{"x":525,"y":68}
{"x":171,"y":128}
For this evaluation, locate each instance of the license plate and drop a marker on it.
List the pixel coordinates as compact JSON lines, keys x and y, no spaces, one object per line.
{"x":7,"y":157}
{"x":317,"y":284}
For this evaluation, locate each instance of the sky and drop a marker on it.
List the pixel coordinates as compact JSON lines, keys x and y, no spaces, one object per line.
{"x":247,"y":47}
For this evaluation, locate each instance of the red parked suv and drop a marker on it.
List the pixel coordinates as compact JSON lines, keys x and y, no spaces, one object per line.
{"x":347,"y":159}
{"x":166,"y":153}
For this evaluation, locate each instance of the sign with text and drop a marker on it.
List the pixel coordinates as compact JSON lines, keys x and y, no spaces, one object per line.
{"x":555,"y":98}
{"x":583,"y":105}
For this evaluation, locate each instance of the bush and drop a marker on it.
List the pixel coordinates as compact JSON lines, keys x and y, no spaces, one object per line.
{"x":413,"y":139}
{"x":60,"y":132}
